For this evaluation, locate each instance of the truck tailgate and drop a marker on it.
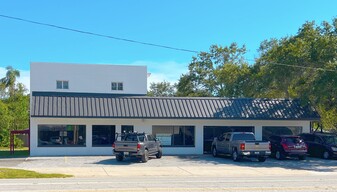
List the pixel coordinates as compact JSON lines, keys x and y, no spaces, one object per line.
{"x":256,"y":146}
{"x":126,"y":146}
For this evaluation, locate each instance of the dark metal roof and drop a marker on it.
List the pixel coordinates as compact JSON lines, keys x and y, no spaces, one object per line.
{"x":52,"y":104}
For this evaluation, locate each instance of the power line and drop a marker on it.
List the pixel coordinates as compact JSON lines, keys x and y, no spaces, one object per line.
{"x":97,"y":34}
{"x":296,"y":66}
{"x":303,"y":67}
{"x":144,"y":43}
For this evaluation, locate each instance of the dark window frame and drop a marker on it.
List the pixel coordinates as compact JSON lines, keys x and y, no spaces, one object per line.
{"x":117,"y":86}
{"x":62,"y":84}
{"x":106,"y":140}
{"x":60,"y":135}
{"x":132,"y":127}
{"x":173,"y":135}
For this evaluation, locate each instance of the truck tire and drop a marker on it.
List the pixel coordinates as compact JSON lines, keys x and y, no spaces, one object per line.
{"x":119,"y":157}
{"x":235,"y":156}
{"x":326,"y":155}
{"x":279,"y":155}
{"x":261,"y":159}
{"x":145,"y":156}
{"x":159,"y":154}
{"x":214,"y":152}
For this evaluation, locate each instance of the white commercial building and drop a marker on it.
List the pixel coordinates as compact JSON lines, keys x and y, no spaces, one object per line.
{"x":76,"y":109}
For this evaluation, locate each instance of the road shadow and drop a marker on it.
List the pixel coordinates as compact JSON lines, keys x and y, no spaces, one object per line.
{"x":310,"y":164}
{"x":126,"y":161}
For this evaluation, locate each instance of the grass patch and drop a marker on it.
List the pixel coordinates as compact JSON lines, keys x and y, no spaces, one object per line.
{"x":22,"y":152}
{"x":6,"y":173}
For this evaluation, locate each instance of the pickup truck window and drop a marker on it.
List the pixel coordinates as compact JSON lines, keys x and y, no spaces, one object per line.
{"x":132,"y":137}
{"x":244,"y":137}
{"x":151,"y":138}
{"x":228,"y":137}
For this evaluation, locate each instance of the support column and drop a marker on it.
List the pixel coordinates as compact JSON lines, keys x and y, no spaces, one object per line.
{"x":11,"y":143}
{"x":258,"y":132}
{"x":88,"y":138}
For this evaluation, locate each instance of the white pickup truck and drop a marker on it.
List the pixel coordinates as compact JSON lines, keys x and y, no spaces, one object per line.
{"x":239,"y":145}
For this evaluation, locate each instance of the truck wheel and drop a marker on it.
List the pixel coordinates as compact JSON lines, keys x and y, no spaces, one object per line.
{"x":145,"y":156}
{"x":214,"y":152}
{"x":159,"y":154}
{"x":279,"y":155}
{"x":235,"y":156}
{"x":326,"y":155}
{"x":261,"y":159}
{"x":119,"y":157}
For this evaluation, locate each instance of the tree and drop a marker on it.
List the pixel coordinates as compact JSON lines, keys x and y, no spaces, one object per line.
{"x":4,"y":125}
{"x":14,"y":106}
{"x":10,"y":79}
{"x":303,"y":66}
{"x":220,"y":72}
{"x":161,"y":89}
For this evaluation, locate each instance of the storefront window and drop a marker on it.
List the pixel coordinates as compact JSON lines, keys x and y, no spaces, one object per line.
{"x":61,"y":135}
{"x":127,"y":128}
{"x":103,"y":135}
{"x":175,"y":136}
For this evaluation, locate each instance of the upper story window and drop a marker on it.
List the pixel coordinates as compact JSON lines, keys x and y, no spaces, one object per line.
{"x":117,"y":86}
{"x":62,"y":84}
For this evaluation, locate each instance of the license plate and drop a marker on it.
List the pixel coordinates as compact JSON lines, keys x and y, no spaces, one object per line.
{"x":257,"y":153}
{"x":126,"y":153}
{"x":297,"y":147}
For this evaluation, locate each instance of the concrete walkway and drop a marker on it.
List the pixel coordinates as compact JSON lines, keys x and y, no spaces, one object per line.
{"x":203,"y":165}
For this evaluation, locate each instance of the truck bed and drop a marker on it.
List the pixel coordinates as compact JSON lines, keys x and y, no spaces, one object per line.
{"x":126,"y":146}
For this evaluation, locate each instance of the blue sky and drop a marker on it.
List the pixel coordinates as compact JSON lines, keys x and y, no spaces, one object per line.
{"x":188,"y":24}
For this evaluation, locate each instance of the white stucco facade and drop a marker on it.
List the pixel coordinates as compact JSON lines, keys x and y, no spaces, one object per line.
{"x":97,"y":79}
{"x":88,"y":78}
{"x":144,"y":125}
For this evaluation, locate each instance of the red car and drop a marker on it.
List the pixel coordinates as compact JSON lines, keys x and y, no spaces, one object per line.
{"x":283,"y":146}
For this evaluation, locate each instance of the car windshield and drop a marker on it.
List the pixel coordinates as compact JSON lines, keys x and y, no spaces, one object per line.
{"x":332,"y":140}
{"x":291,"y":140}
{"x":243,"y":137}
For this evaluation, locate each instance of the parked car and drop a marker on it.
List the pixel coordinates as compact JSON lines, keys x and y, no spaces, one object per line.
{"x":239,"y":145}
{"x":139,"y":145}
{"x":288,"y":146}
{"x":322,"y":145}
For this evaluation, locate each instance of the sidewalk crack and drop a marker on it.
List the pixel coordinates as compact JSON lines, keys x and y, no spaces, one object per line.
{"x":105,"y":171}
{"x":185,"y":171}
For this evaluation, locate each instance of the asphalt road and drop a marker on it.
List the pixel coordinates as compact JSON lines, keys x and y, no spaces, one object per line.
{"x":251,"y":184}
{"x":173,"y":173}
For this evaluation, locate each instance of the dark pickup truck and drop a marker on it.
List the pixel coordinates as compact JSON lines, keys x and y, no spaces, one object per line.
{"x":139,"y":145}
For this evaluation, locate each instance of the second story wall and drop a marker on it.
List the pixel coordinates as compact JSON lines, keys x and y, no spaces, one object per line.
{"x":88,"y":78}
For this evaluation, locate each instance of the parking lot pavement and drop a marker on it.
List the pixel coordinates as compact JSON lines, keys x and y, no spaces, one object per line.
{"x":195,"y":165}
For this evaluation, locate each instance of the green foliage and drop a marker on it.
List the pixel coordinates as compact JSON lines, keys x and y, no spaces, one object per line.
{"x":301,"y":66}
{"x":9,"y":81}
{"x":161,"y":89}
{"x":14,"y":107}
{"x":220,"y":72}
{"x":6,"y":173}
{"x":304,"y":66}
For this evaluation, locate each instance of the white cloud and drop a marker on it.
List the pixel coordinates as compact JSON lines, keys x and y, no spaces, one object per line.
{"x":24,"y":76}
{"x":163,"y":71}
